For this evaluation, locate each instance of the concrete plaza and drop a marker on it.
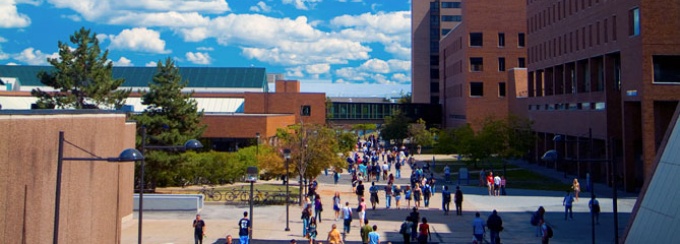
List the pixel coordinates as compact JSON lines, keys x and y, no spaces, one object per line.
{"x":515,"y":209}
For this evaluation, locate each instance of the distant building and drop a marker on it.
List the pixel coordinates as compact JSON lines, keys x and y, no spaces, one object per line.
{"x":475,"y":57}
{"x":236,"y":101}
{"x":430,"y":21}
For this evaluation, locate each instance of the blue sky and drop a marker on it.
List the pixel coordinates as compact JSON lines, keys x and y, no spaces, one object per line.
{"x":341,"y":47}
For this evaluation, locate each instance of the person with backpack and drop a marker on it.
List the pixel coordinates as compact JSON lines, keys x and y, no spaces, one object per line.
{"x":594,"y":206}
{"x":536,"y":219}
{"x":360,"y":191}
{"x":373,"y":190}
{"x":446,"y":200}
{"x":427,"y":193}
{"x":415,"y":216}
{"x":397,"y":166}
{"x":567,"y":203}
{"x":407,"y":196}
{"x":495,"y":224}
{"x":346,"y":217}
{"x":405,"y":230}
{"x":388,"y":195}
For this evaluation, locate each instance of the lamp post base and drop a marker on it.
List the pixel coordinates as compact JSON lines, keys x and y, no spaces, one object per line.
{"x":287,"y":229}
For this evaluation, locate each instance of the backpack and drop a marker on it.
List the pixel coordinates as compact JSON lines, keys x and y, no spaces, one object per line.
{"x":596,"y":208}
{"x":534,"y":219}
{"x":426,"y":190}
{"x":549,"y":230}
{"x":404,"y":228}
{"x":447,"y":196}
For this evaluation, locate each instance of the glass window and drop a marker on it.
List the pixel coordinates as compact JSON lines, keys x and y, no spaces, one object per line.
{"x":501,"y":64}
{"x":634,"y":22}
{"x":445,"y":31}
{"x":450,"y":4}
{"x":666,"y":69}
{"x":476,"y":89}
{"x":434,"y":73}
{"x":476,"y":39}
{"x":434,"y":87}
{"x":501,"y":39}
{"x":520,"y":40}
{"x":476,"y":64}
{"x":521,"y":62}
{"x":451,"y":18}
{"x":306,"y":110}
{"x":501,"y":89}
{"x":434,"y":6}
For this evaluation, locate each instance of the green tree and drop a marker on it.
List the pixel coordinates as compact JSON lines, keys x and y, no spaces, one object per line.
{"x":313,"y":149}
{"x":170,"y":118}
{"x":520,"y":137}
{"x":363,"y":128}
{"x":395,"y":127}
{"x":405,"y":98}
{"x":420,"y":135}
{"x":82,"y":77}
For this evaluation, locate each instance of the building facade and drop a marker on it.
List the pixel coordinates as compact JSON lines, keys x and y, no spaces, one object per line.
{"x":603,"y":76}
{"x":475,"y":57}
{"x":430,"y":21}
{"x":96,"y":197}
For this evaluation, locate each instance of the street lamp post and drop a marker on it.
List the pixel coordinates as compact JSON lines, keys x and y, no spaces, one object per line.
{"x":127,"y":155}
{"x":251,"y":176}
{"x":190,"y":144}
{"x":286,"y":155}
{"x":257,"y":144}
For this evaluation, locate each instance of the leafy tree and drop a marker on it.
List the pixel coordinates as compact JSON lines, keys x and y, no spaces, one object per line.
{"x":170,"y":118}
{"x":405,"y":98}
{"x":346,"y":141}
{"x":82,"y":78}
{"x":419,"y":133}
{"x":313,"y":149}
{"x":329,"y":105}
{"x":519,"y":137}
{"x":395,"y":127}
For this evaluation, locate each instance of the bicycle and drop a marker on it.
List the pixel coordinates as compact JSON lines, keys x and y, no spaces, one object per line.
{"x":210,"y":193}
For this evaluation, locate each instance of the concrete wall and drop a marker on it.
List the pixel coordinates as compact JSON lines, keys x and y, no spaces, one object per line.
{"x":95,"y":196}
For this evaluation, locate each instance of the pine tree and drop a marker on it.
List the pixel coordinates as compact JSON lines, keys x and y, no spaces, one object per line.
{"x":170,"y":118}
{"x":82,"y":78}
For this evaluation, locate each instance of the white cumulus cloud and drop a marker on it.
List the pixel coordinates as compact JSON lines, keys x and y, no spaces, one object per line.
{"x":261,"y":7}
{"x":123,"y":62}
{"x":198,"y":57}
{"x":10,"y":17}
{"x":138,"y":39}
{"x":151,"y":64}
{"x":34,"y":57}
{"x":302,"y":4}
{"x":392,"y":29}
{"x":317,"y":68}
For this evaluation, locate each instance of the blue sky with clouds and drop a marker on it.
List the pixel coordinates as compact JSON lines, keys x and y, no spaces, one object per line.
{"x":341,"y":47}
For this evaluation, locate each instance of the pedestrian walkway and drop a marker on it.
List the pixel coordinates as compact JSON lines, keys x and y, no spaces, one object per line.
{"x":269,"y":222}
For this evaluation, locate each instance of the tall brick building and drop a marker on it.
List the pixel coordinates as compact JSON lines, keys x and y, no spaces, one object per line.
{"x":604,"y":68}
{"x":475,"y":57}
{"x":430,"y":21}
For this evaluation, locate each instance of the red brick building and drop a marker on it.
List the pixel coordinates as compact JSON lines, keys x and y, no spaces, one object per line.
{"x":475,"y":58}
{"x":610,"y":67}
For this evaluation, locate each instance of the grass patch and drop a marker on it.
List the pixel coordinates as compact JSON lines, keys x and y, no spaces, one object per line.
{"x":525,"y":179}
{"x":294,"y":189}
{"x":495,"y":164}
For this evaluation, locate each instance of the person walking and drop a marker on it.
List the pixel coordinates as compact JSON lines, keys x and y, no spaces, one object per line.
{"x":334,"y":236}
{"x":199,"y":229}
{"x":362,"y":211}
{"x":397,"y":195}
{"x":415,"y":216}
{"x":495,"y":224}
{"x":407,"y":196}
{"x":244,"y":228}
{"x":503,"y":183}
{"x":311,"y":231}
{"x":346,"y":217}
{"x":360,"y":191}
{"x":424,"y":234}
{"x":458,"y":199}
{"x":446,"y":200}
{"x":594,"y":206}
{"x":336,"y":177}
{"x":478,"y":228}
{"x":482,"y":177}
{"x":416,"y":195}
{"x":545,"y":237}
{"x":388,"y":195}
{"x":427,"y":193}
{"x":306,"y":217}
{"x":374,"y":236}
{"x":318,"y":208}
{"x":364,"y":232}
{"x":497,"y":185}
{"x":405,"y":230}
{"x":567,"y":203}
{"x":489,"y":183}
{"x":397,"y":167}
{"x":536,"y":219}
{"x":336,"y":205}
{"x":447,"y":174}
{"x":373,"y":191}
{"x":577,"y":188}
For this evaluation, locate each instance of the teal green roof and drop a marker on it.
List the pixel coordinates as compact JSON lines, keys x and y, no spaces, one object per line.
{"x":198,"y":77}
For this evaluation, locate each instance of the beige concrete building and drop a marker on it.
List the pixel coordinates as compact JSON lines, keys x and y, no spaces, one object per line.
{"x":430,"y":21}
{"x":95,"y":196}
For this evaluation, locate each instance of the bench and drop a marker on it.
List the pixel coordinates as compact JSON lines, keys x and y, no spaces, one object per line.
{"x":170,"y":202}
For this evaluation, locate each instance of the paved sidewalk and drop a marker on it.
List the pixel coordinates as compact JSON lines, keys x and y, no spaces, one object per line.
{"x":269,"y":221}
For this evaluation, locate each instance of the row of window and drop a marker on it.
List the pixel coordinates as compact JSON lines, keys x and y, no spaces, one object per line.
{"x":557,"y":12}
{"x":569,"y":106}
{"x":477,"y":64}
{"x":477,"y":39}
{"x":583,"y":76}
{"x":477,"y":89}
{"x":435,"y":5}
{"x":581,"y":38}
